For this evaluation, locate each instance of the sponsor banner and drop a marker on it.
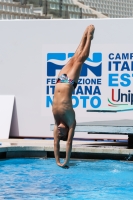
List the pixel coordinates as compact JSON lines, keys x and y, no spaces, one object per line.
{"x":120,"y":78}
{"x":105,"y":79}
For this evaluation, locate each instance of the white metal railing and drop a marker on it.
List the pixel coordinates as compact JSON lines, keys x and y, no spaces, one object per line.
{"x":14,"y":8}
{"x":4,"y":8}
{"x":1,"y":7}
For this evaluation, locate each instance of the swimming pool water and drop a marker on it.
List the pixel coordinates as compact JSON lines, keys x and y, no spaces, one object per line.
{"x":38,"y":179}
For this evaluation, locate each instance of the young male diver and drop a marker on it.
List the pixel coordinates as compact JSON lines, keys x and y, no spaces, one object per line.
{"x":62,"y":109}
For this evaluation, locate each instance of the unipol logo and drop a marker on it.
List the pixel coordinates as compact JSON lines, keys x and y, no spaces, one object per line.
{"x":56,"y":61}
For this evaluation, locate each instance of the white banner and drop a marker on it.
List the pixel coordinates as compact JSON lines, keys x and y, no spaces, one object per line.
{"x":105,"y":80}
{"x":33,"y":51}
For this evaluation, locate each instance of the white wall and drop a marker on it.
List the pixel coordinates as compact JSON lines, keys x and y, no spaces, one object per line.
{"x":23,"y":48}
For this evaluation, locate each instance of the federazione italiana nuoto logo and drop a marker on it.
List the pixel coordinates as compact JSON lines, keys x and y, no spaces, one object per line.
{"x":88,"y":92}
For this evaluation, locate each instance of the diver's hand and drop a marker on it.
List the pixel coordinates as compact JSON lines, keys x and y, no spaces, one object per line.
{"x":64,"y":165}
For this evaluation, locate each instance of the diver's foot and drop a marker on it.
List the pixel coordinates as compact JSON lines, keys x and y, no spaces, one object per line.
{"x":91,"y":30}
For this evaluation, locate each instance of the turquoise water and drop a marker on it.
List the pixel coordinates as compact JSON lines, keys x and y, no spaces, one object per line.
{"x":38,"y":179}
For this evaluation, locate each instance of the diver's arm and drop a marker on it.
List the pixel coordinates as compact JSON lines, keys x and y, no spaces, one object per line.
{"x":69,"y":145}
{"x":56,"y":146}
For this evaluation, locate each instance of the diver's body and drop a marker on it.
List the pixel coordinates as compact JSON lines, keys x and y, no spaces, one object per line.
{"x":63,"y":112}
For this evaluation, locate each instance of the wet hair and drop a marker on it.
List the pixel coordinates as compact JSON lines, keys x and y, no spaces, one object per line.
{"x":65,"y":136}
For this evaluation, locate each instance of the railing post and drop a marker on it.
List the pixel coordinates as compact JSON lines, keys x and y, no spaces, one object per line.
{"x":45,"y":7}
{"x":60,"y":10}
{"x":80,"y":13}
{"x":130,"y":141}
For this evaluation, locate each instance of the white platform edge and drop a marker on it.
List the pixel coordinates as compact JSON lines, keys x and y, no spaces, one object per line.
{"x":6,"y":111}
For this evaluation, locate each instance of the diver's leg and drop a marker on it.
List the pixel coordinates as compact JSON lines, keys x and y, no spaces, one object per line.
{"x":88,"y":32}
{"x":79,"y":50}
{"x":80,"y":56}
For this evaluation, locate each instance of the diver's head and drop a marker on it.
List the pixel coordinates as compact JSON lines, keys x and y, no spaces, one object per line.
{"x":63,"y":132}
